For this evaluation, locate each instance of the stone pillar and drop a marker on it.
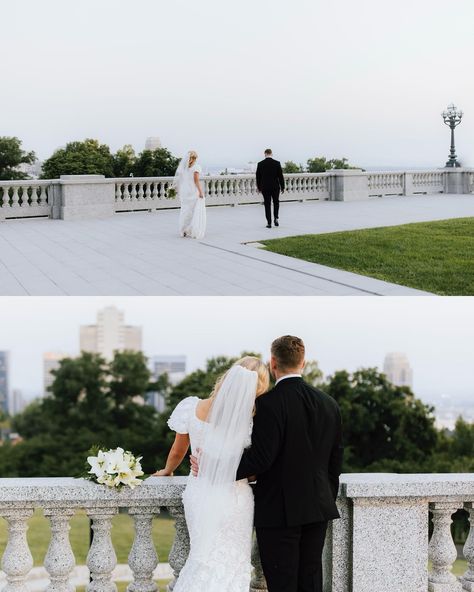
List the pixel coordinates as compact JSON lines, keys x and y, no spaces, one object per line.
{"x":180,"y":549}
{"x":468,"y":577}
{"x":143,"y":558}
{"x":17,"y":560}
{"x":455,"y":181}
{"x":101,"y":559}
{"x":349,"y":185}
{"x":442,"y":550}
{"x":389,"y":550}
{"x":408,"y":184}
{"x":59,"y":561}
{"x":86,"y":196}
{"x":337,"y":551}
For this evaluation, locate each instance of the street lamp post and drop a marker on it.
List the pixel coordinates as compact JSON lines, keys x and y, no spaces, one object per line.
{"x":452,"y":117}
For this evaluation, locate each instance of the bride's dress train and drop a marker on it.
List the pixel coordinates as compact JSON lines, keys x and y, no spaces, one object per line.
{"x":221,"y":564}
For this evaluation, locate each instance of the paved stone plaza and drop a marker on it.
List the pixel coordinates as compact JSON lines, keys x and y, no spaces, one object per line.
{"x":141,"y":254}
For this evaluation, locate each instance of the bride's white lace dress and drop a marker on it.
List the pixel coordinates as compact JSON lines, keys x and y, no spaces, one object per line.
{"x":227,"y":567}
{"x":192,"y":215}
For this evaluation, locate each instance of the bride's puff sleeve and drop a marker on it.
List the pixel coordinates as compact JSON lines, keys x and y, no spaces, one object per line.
{"x":179,"y":419}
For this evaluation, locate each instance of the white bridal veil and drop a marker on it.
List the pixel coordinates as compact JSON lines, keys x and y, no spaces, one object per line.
{"x":183,"y":165}
{"x":225,"y":437}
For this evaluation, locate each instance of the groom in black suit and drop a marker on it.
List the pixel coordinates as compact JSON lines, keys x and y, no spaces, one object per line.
{"x":270,"y":182}
{"x":296,"y":454}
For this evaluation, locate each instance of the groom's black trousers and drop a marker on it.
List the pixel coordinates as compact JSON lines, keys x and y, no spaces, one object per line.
{"x":269,"y":196}
{"x":292,"y":557}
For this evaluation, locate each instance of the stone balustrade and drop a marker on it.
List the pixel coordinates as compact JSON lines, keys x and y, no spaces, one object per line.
{"x":93,"y":196}
{"x":380,"y":543}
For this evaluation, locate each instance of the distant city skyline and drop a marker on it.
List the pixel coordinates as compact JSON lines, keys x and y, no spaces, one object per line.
{"x":436,"y":334}
{"x":355,"y":79}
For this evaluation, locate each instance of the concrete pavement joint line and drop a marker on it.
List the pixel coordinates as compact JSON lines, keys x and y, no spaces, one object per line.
{"x":319,"y":277}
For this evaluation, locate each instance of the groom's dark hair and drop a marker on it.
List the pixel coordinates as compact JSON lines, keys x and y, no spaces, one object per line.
{"x":268,"y":152}
{"x":288,"y":352}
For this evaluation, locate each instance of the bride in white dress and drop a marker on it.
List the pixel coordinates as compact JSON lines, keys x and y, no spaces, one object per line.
{"x":218,"y":509}
{"x":192,"y":215}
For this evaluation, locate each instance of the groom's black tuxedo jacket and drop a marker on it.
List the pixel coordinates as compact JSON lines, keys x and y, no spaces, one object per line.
{"x":270,"y":176}
{"x":296,"y":454}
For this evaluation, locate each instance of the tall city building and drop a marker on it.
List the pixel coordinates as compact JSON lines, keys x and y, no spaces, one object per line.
{"x":152,"y":143}
{"x":50,"y":362}
{"x":398,"y":370}
{"x":174,"y":367}
{"x":17,"y":403}
{"x":4,"y":381}
{"x":110,"y":334}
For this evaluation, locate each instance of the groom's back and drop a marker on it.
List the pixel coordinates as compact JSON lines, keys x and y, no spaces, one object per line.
{"x":301,"y":485}
{"x":268,"y":173}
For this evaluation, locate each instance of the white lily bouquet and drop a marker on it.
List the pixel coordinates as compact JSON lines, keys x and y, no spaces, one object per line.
{"x":114,"y":468}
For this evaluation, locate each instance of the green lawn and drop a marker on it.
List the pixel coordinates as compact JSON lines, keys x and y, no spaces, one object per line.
{"x":122,"y":536}
{"x":433,"y":256}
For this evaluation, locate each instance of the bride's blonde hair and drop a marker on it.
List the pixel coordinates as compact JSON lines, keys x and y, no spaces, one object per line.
{"x":251,"y":363}
{"x":192,"y":158}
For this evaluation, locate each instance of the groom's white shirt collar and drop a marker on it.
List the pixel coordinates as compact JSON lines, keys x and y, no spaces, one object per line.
{"x":287,"y":376}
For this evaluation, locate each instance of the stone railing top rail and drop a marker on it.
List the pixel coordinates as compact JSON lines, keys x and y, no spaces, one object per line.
{"x":69,"y":492}
{"x":165,"y":491}
{"x":380,"y":485}
{"x":85,"y":179}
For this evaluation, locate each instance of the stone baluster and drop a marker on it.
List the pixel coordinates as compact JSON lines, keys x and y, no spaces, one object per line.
{"x":157,"y":190}
{"x":15,"y":198}
{"x":146,"y":191}
{"x":17,"y":560}
{"x":258,"y":583}
{"x":468,"y":577}
{"x":43,"y":196}
{"x":143,"y":558}
{"x":180,"y":549}
{"x":140,"y":191}
{"x":133,"y":192}
{"x":118,"y":191}
{"x":101,"y":559}
{"x":442,"y":550}
{"x":59,"y":561}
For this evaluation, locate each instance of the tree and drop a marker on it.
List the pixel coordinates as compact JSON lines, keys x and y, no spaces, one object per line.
{"x":11,"y":157}
{"x":88,"y":157}
{"x":321,"y":164}
{"x":124,"y":161}
{"x":318,"y":165}
{"x":155,"y":163}
{"x":312,"y":373}
{"x":385,"y":426}
{"x":292,"y":167}
{"x":91,"y":401}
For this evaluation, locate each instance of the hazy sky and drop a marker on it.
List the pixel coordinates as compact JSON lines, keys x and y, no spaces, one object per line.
{"x":364,"y":79}
{"x":436,"y":333}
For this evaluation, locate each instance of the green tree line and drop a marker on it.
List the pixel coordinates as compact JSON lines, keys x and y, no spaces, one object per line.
{"x":91,"y":157}
{"x":318,"y":164}
{"x":93,"y":401}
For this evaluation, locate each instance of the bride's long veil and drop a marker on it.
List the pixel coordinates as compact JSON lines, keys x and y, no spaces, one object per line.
{"x":182,"y":166}
{"x":225,"y":437}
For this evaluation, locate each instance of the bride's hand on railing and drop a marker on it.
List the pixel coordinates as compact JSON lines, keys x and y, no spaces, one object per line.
{"x":162,"y":473}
